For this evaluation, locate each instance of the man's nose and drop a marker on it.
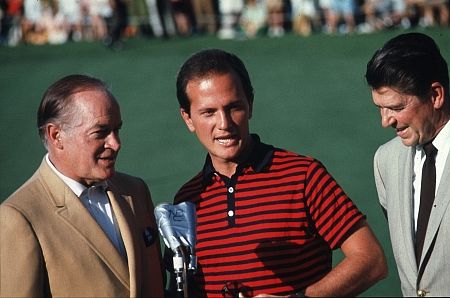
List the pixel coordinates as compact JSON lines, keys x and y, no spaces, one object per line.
{"x":224,"y":120}
{"x":113,"y":141}
{"x":387,"y":119}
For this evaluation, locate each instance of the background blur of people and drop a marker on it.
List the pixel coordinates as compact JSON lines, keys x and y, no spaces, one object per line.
{"x":229,"y":14}
{"x":33,"y":30}
{"x":304,"y":16}
{"x":157,"y":14}
{"x":275,"y":18}
{"x":183,"y":17}
{"x":341,"y":9}
{"x":110,"y":20}
{"x":119,"y":22}
{"x":427,"y":10}
{"x":71,"y":12}
{"x":205,"y":16}
{"x":253,"y":20}
{"x":99,"y":12}
{"x":11,"y":14}
{"x":381,"y":14}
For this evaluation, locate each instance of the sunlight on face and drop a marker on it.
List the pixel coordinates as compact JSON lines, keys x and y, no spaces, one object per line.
{"x":407,"y":114}
{"x":219,"y":115}
{"x":92,"y":143}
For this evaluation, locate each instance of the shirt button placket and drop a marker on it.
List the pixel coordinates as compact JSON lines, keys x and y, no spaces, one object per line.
{"x":231,"y":207}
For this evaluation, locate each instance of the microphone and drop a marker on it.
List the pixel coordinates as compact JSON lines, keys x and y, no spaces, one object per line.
{"x":177,"y":226}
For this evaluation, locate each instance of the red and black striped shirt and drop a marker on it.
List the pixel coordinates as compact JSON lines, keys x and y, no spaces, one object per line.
{"x":271,"y":227}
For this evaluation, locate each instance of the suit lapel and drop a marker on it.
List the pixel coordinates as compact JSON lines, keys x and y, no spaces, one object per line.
{"x":405,"y":170}
{"x":441,"y":202}
{"x":72,"y":212}
{"x":125,"y":219}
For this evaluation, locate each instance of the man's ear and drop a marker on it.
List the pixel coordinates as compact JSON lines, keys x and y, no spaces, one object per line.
{"x":53,"y":133}
{"x":187,"y":119}
{"x":437,"y":95}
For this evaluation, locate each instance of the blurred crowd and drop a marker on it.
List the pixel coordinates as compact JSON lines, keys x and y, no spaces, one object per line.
{"x":110,"y":21}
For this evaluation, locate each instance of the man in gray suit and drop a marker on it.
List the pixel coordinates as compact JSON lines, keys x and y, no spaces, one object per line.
{"x":410,"y":86}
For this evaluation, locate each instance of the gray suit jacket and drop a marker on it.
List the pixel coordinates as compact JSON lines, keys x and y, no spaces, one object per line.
{"x":51,"y":246}
{"x":393,"y":169}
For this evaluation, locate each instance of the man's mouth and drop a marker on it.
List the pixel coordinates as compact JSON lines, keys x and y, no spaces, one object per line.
{"x":111,"y":158}
{"x":401,"y":130}
{"x":227,"y":140}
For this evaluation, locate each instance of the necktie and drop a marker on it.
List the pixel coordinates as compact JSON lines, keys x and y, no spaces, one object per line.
{"x":96,"y":201}
{"x":427,"y":191}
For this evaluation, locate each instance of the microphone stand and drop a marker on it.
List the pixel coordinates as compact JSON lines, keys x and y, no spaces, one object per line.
{"x":181,"y":273}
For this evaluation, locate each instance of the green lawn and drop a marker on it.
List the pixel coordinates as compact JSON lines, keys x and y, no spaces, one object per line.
{"x":310,"y":97}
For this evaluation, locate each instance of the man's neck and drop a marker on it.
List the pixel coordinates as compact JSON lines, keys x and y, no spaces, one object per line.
{"x":228,"y":168}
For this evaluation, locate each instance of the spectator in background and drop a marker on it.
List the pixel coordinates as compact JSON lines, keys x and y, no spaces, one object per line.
{"x":55,"y":25}
{"x":72,"y":14}
{"x":33,"y":29}
{"x":275,"y":18}
{"x":4,"y":22}
{"x":229,"y":14}
{"x":205,"y":16}
{"x":381,"y":14}
{"x":183,"y":17}
{"x":157,"y":14}
{"x":119,"y":22}
{"x":99,"y":12}
{"x":253,"y":20}
{"x":11,"y":17}
{"x":304,"y":16}
{"x":428,"y":8}
{"x":325,"y":14}
{"x":341,"y":9}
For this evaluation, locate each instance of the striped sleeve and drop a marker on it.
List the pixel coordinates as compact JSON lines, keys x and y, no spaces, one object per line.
{"x":332,"y":211}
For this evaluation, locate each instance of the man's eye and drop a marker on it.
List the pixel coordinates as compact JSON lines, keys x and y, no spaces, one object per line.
{"x":397,"y":109}
{"x":100,"y":133}
{"x":237,"y":108}
{"x":208,"y":113}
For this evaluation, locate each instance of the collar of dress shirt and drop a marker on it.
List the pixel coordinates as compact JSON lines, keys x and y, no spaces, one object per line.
{"x":75,"y":186}
{"x":441,"y":142}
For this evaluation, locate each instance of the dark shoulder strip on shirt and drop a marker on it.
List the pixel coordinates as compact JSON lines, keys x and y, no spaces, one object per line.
{"x":259,"y":159}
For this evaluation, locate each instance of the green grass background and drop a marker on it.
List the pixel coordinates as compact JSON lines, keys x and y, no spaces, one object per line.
{"x":310,"y":97}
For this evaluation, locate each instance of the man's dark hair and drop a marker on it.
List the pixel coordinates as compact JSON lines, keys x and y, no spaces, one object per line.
{"x":54,"y":106}
{"x":205,"y":63}
{"x":408,"y":63}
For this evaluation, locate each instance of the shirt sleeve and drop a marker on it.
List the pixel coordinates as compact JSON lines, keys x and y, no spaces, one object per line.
{"x":331,"y":210}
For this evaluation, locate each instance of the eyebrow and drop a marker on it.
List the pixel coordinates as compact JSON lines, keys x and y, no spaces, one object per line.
{"x":106,"y":126}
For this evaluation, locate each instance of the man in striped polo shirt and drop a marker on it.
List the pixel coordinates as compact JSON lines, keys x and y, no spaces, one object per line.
{"x":267,"y":219}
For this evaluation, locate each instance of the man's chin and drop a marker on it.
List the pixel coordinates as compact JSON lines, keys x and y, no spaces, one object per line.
{"x":108,"y":173}
{"x":409,"y":142}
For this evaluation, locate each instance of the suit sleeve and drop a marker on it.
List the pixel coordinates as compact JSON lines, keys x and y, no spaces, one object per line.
{"x":21,"y":262}
{"x":381,"y":189}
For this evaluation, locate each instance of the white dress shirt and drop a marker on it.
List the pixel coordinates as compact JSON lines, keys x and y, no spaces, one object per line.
{"x":97,"y":203}
{"x":442,"y":144}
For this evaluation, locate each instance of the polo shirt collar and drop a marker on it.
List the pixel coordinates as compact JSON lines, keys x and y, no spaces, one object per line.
{"x":258,"y":160}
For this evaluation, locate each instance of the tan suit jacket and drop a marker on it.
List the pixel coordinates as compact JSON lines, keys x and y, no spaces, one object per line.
{"x":50,"y":245}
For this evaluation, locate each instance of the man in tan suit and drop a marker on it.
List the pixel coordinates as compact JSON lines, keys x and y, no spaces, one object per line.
{"x":76,"y":227}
